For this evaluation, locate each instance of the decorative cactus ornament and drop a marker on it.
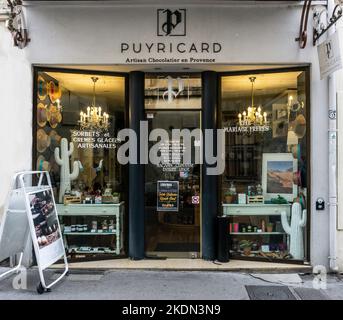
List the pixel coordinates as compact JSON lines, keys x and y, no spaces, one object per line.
{"x":295,"y":230}
{"x":62,"y":159}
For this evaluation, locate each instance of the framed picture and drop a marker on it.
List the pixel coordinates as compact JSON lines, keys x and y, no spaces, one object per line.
{"x":277,"y":175}
{"x":280,"y":128}
{"x":279,"y":120}
{"x":279,"y":112}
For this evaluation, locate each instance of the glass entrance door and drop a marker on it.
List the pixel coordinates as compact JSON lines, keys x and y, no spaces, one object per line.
{"x":172,"y":192}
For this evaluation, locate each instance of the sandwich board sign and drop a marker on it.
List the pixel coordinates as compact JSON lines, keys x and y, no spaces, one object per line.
{"x":31,"y":213}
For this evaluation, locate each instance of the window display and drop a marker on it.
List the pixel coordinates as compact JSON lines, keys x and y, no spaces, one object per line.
{"x":77,"y":119}
{"x":264,"y":186}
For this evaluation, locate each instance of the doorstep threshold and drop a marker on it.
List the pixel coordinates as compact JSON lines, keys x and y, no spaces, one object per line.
{"x":171,"y":264}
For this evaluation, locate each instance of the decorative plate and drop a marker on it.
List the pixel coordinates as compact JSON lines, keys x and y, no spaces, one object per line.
{"x":41,"y":88}
{"x":43,"y":140}
{"x":55,"y":116}
{"x":42,"y":164}
{"x":300,"y":126}
{"x":42,"y":114}
{"x":55,"y":139}
{"x":54,"y":91}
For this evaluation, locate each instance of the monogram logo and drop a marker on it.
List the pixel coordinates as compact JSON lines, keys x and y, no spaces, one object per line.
{"x":171,"y":22}
{"x":170,"y":94}
{"x":328,"y":50}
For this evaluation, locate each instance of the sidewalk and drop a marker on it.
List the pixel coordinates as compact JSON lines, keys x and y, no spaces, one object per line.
{"x":162,"y":285}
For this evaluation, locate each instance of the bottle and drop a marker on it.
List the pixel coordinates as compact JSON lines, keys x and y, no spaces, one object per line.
{"x":232,"y":192}
{"x":104,"y":225}
{"x":249,"y":191}
{"x":263,"y":226}
{"x":259,"y":190}
{"x":94,"y":226}
{"x":111,"y":226}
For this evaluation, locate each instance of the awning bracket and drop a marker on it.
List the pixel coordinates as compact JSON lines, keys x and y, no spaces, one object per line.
{"x":320,"y":26}
{"x":16,"y":24}
{"x":303,"y":24}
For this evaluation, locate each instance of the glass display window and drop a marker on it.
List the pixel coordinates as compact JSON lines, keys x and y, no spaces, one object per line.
{"x":77,"y":117}
{"x":265,"y":184}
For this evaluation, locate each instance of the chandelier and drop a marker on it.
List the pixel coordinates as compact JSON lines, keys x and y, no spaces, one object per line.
{"x":94,"y":118}
{"x":253,"y":116}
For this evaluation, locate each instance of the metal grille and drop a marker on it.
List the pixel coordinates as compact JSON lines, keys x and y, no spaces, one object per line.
{"x":269,"y":293}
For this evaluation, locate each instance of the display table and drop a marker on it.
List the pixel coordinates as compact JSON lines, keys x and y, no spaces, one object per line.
{"x":252,"y":215}
{"x":115,"y":211}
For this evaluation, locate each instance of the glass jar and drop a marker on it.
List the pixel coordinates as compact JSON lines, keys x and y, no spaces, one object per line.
{"x":104,"y":225}
{"x":94,"y":226}
{"x":259,"y":190}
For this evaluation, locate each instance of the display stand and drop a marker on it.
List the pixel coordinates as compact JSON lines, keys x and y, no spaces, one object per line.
{"x":32,"y":210}
{"x":115,"y":211}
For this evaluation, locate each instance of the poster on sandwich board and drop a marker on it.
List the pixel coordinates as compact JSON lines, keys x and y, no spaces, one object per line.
{"x":47,"y":234}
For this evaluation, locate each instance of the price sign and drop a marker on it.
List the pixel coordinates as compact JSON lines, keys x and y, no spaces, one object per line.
{"x":167,"y":196}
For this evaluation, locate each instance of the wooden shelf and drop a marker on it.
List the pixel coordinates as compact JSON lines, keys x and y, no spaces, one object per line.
{"x":89,"y":209}
{"x":256,"y":233}
{"x":77,"y":251}
{"x":90,"y":233}
{"x":241,"y":251}
{"x":255,"y":209}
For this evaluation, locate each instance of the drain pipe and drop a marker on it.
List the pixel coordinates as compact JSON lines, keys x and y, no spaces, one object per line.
{"x":332,"y":160}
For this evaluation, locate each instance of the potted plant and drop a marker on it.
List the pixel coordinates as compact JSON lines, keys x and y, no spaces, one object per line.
{"x":116,"y":197}
{"x":270,"y":227}
{"x":230,"y":195}
{"x":246,"y":246}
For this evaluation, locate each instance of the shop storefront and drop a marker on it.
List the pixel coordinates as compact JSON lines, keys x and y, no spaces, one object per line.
{"x":262,"y":188}
{"x":180,"y":68}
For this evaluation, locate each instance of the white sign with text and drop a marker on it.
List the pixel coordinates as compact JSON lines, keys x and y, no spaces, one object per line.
{"x":330,"y":59}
